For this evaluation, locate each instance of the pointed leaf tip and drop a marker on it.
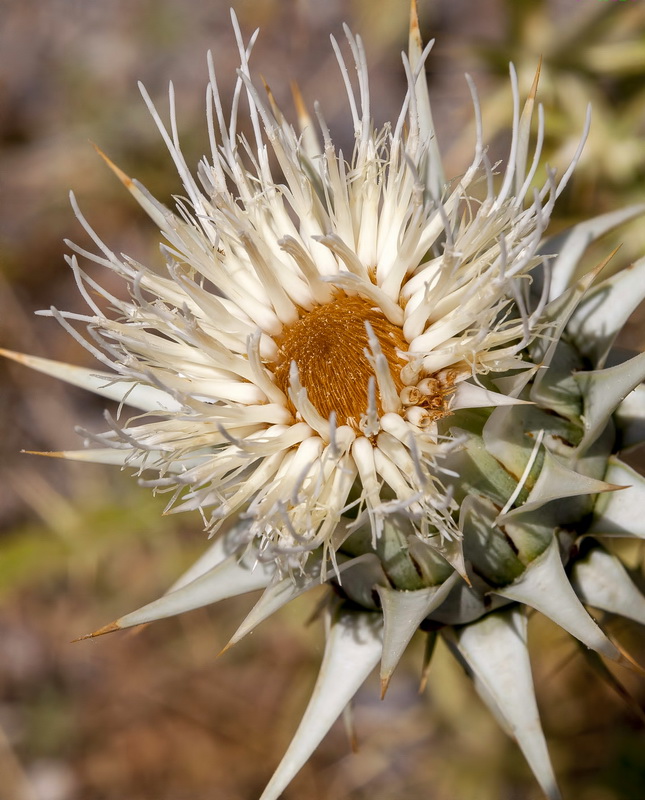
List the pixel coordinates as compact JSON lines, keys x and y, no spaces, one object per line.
{"x":545,"y":586}
{"x":600,"y":580}
{"x":494,"y":650}
{"x":403,"y":612}
{"x":620,"y":514}
{"x":536,"y":80}
{"x":625,"y":660}
{"x":125,"y":179}
{"x":11,"y":354}
{"x":224,"y":649}
{"x":46,"y":453}
{"x":228,"y":578}
{"x":298,"y":101}
{"x":109,"y":628}
{"x":106,"y":384}
{"x":414,"y":21}
{"x":352,"y":651}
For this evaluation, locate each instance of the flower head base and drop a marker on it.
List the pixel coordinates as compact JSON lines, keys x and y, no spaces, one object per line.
{"x":390,"y":385}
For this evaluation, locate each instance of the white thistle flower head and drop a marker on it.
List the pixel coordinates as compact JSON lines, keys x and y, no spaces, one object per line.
{"x":386,"y":379}
{"x":316,"y":324}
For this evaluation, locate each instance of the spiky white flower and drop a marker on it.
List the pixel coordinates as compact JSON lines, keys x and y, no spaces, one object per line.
{"x":388,"y":380}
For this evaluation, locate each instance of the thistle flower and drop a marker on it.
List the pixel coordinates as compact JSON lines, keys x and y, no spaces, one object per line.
{"x":363,"y":374}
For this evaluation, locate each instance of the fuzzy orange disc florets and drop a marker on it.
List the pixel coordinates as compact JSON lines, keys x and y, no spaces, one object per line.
{"x":328,"y":345}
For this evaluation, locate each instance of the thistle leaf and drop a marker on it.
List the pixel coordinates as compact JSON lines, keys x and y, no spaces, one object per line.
{"x":495,"y":653}
{"x":555,"y":388}
{"x":402,"y":614}
{"x":468,"y":395}
{"x":602,"y":391}
{"x":435,"y":177}
{"x":512,"y":385}
{"x":478,"y":469}
{"x":284,"y":591}
{"x":224,"y":545}
{"x":486,"y":547}
{"x":601,"y":581}
{"x":230,"y":578}
{"x":555,"y":481}
{"x":105,"y":384}
{"x":122,"y":457}
{"x":360,"y":582}
{"x":571,"y":245}
{"x":510,"y":435}
{"x":464,"y":605}
{"x":545,"y":586}
{"x":557,"y":314}
{"x":621,"y":514}
{"x":353,"y":649}
{"x":629,"y":418}
{"x":605,"y":309}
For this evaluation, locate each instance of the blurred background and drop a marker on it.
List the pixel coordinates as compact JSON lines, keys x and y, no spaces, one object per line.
{"x":151,"y":714}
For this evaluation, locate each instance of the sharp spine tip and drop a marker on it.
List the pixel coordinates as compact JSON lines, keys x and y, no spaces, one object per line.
{"x":225,"y":649}
{"x":125,"y":179}
{"x":109,"y":628}
{"x":47,"y":453}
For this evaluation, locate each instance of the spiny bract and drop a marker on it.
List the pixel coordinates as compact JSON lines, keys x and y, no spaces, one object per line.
{"x":370,"y":376}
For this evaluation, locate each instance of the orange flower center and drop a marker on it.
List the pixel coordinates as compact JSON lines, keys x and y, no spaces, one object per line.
{"x":329,"y":345}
